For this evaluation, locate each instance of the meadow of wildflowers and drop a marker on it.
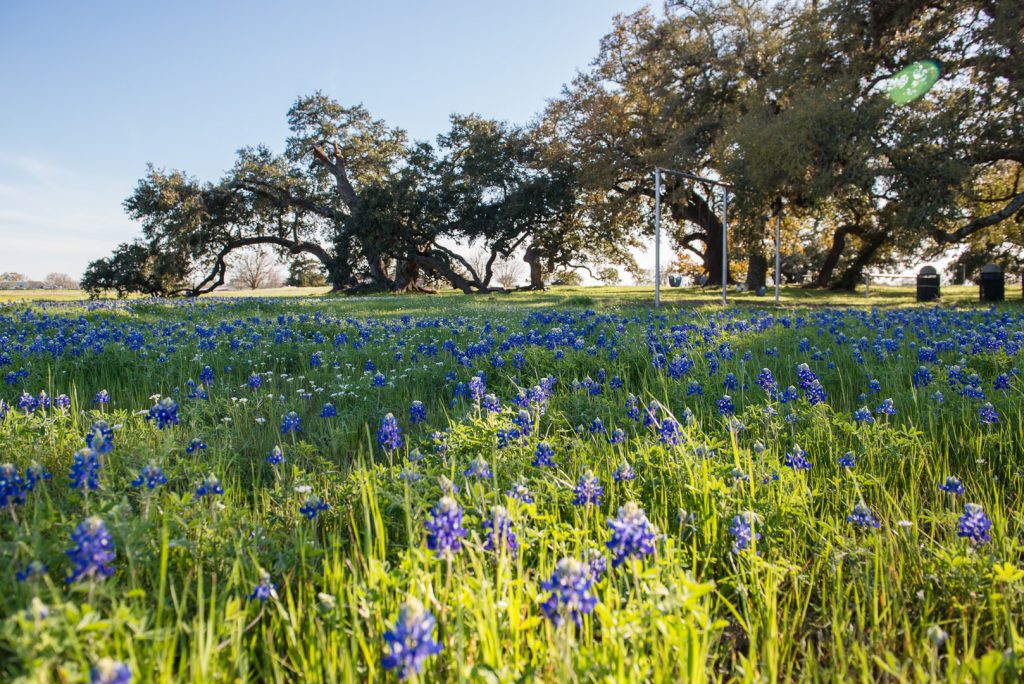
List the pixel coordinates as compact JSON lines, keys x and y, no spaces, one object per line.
{"x":437,"y":490}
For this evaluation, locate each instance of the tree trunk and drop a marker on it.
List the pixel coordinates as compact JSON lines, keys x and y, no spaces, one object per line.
{"x":757,"y":272}
{"x":854,"y":273}
{"x":533,"y":258}
{"x":406,"y":276}
{"x":828,"y":266}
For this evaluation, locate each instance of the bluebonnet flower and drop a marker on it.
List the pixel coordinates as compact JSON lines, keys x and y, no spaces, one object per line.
{"x":632,"y":534}
{"x":164,"y":413}
{"x":974,"y":524}
{"x":276,"y":456}
{"x":937,"y":397}
{"x":952,"y":485}
{"x":725,"y":406}
{"x":378,"y":380}
{"x":520,"y":492}
{"x":389,"y":435}
{"x":291,"y":422}
{"x":27,"y":402}
{"x":477,"y":387}
{"x":313,"y":506}
{"x":815,"y":393}
{"x":862,"y":516}
{"x":210,"y":487}
{"x":12,"y":487}
{"x":409,"y":475}
{"x":523,"y":421}
{"x":206,"y":375}
{"x":847,"y":460}
{"x":92,"y":553}
{"x":588,"y":490}
{"x":490,"y":403}
{"x":110,"y":671}
{"x":444,"y":528}
{"x":651,"y":413}
{"x":632,"y":407}
{"x":62,"y":402}
{"x":411,"y":641}
{"x":542,"y":455}
{"x":886,"y":408}
{"x":618,"y":436}
{"x":623,"y":473}
{"x":669,"y":433}
{"x":730,"y":383}
{"x":596,"y":563}
{"x":102,"y":397}
{"x":796,"y":459}
{"x":758,"y":447}
{"x":863,"y":415}
{"x":922,"y":377}
{"x":31,"y":571}
{"x":788,"y":395}
{"x":597,"y":427}
{"x":742,"y":530}
{"x":694,"y":388}
{"x":328,"y":411}
{"x":767,"y":382}
{"x":440,"y":440}
{"x":571,"y":596}
{"x":85,"y":471}
{"x":35,"y":473}
{"x":254,"y":382}
{"x":988,"y":414}
{"x":264,"y":590}
{"x":100,"y":437}
{"x":738,"y":476}
{"x":417,"y":412}
{"x":316,"y":359}
{"x":500,"y":536}
{"x":151,"y":476}
{"x":478,"y":468}
{"x":1002,"y":382}
{"x":195,"y":445}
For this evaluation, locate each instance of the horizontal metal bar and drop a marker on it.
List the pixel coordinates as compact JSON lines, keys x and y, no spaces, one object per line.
{"x":691,"y":176}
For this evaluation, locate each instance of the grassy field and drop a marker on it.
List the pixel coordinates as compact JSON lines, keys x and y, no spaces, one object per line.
{"x":573,"y":487}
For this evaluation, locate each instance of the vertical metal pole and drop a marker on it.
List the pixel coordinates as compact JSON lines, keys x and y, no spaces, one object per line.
{"x":725,"y":231}
{"x":778,"y":242}
{"x":657,"y":237}
{"x":867,"y":284}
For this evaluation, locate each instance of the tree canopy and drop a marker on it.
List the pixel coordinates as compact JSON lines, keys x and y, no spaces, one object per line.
{"x":784,"y":100}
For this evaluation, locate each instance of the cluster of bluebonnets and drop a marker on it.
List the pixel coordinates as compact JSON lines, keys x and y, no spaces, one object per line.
{"x":503,"y":405}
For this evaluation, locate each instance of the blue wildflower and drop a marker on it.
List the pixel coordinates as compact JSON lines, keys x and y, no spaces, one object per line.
{"x":887,"y":408}
{"x":389,"y":435}
{"x":264,"y":590}
{"x":632,"y":534}
{"x":164,"y":413}
{"x":796,"y":459}
{"x":500,"y":536}
{"x":988,"y":414}
{"x":725,"y":406}
{"x":328,"y":411}
{"x":542,"y":455}
{"x":444,"y":528}
{"x":863,"y":415}
{"x":669,"y":433}
{"x":151,"y":476}
{"x":417,"y":412}
{"x":742,"y":530}
{"x":478,"y":468}
{"x":411,"y":641}
{"x":974,"y":524}
{"x":862,"y":516}
{"x":195,"y":445}
{"x":952,"y":485}
{"x":276,"y":456}
{"x":291,"y":422}
{"x":313,"y":506}
{"x":109,"y":671}
{"x":623,"y":473}
{"x":210,"y":487}
{"x":571,"y":597}
{"x":520,"y":492}
{"x":102,"y":397}
{"x":847,"y":460}
{"x":35,"y":473}
{"x":85,"y":471}
{"x":92,"y":553}
{"x":588,"y":490}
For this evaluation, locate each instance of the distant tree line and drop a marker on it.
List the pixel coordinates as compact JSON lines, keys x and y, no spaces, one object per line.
{"x":784,"y":100}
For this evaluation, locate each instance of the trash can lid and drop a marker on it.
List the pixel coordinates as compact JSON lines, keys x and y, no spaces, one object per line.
{"x":991,"y":268}
{"x":928,"y":270}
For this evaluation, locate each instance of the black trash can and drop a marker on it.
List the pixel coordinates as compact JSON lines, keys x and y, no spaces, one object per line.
{"x":928,"y":284}
{"x":675,"y":280}
{"x":992,"y":285}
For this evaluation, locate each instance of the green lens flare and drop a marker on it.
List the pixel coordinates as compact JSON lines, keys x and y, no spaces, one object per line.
{"x":913,"y":81}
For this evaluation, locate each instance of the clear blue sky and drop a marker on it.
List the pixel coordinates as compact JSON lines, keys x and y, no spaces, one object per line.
{"x":92,"y":91}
